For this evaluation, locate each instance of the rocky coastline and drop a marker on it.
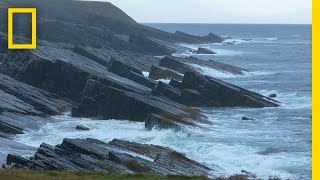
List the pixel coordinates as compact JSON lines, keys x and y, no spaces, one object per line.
{"x":94,"y":68}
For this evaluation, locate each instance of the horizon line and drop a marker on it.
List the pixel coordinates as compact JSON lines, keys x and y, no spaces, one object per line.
{"x":225,"y":23}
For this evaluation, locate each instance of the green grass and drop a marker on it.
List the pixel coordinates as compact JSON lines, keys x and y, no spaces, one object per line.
{"x":53,"y":175}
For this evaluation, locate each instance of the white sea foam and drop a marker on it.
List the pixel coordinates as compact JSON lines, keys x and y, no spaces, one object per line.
{"x":208,"y":71}
{"x":219,"y":51}
{"x":209,"y":147}
{"x":212,"y":72}
{"x":166,"y":81}
{"x":292,"y":100}
{"x":145,"y":73}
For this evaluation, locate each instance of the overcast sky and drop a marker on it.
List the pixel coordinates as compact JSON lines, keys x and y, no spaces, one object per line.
{"x":218,"y":11}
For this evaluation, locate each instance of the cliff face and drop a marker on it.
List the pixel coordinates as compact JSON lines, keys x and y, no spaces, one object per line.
{"x":97,"y":24}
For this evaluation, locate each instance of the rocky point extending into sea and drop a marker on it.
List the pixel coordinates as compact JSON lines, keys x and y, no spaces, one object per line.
{"x":90,"y":60}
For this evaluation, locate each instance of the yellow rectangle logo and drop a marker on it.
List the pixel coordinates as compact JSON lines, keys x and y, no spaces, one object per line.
{"x":33,"y":12}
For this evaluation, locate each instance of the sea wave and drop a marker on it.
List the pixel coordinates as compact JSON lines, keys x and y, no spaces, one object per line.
{"x":290,"y":100}
{"x":208,"y":147}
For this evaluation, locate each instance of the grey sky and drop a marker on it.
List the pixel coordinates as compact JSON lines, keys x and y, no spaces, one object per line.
{"x":218,"y":11}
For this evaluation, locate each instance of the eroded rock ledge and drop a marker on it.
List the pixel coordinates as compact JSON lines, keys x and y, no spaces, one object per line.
{"x":116,"y":156}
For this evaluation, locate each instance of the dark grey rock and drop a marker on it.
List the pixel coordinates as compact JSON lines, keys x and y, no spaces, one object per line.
{"x":215,"y":65}
{"x":218,"y":93}
{"x":176,"y":84}
{"x":117,"y":156}
{"x":247,"y":119}
{"x":107,"y":102}
{"x":167,"y":90}
{"x":273,"y":95}
{"x":210,"y":38}
{"x":192,"y":98}
{"x":157,"y":73}
{"x":131,"y":73}
{"x":149,"y":45}
{"x":175,"y":63}
{"x":160,"y":122}
{"x":17,"y":159}
{"x":204,"y":51}
{"x":40,"y":100}
{"x":82,"y":128}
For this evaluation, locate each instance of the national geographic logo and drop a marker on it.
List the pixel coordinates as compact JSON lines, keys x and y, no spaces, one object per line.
{"x":11,"y":12}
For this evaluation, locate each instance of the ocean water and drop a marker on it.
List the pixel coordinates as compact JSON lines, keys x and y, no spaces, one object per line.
{"x":278,"y":140}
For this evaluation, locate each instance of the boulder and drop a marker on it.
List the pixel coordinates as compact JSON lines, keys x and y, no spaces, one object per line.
{"x":82,"y":128}
{"x":204,"y":51}
{"x":273,"y":95}
{"x":117,"y":157}
{"x":157,"y":73}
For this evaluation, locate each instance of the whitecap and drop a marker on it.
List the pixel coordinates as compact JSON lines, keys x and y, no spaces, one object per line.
{"x":212,"y":72}
{"x":145,"y":73}
{"x":166,"y":81}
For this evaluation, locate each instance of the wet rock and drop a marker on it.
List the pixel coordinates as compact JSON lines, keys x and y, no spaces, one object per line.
{"x":175,"y":63}
{"x":157,"y":73}
{"x":210,"y":38}
{"x":176,"y":84}
{"x":204,"y":51}
{"x":41,"y":100}
{"x":191,"y":97}
{"x":245,"y":118}
{"x":117,"y":156}
{"x":82,"y":128}
{"x":273,"y":95}
{"x":105,"y":102}
{"x":217,"y":93}
{"x":17,"y":159}
{"x":160,"y":122}
{"x":61,"y":71}
{"x":202,"y":91}
{"x":131,"y":73}
{"x":148,"y":45}
{"x":223,"y":67}
{"x":167,"y":90}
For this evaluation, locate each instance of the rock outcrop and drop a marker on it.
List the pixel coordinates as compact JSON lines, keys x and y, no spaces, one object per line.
{"x":176,"y":64}
{"x":210,"y":38}
{"x":189,"y":64}
{"x":203,"y":91}
{"x":157,"y":73}
{"x":106,"y":102}
{"x":204,"y":51}
{"x":24,"y":107}
{"x":131,"y":73}
{"x":117,"y":156}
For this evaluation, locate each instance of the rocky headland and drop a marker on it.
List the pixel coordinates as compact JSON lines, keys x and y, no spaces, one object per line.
{"x":90,"y":60}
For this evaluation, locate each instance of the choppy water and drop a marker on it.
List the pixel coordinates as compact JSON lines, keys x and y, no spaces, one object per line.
{"x":277,"y":142}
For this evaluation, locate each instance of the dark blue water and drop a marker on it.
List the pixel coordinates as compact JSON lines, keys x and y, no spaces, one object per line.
{"x":279,"y":58}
